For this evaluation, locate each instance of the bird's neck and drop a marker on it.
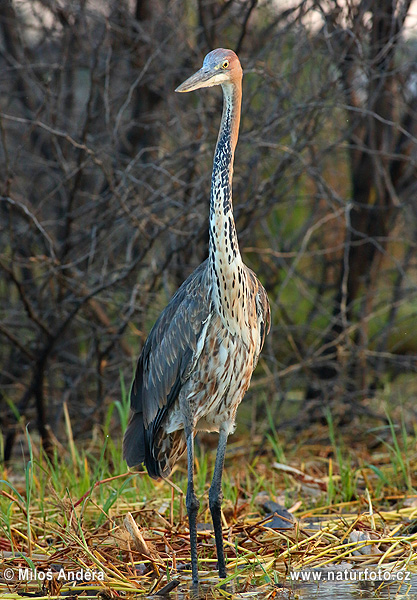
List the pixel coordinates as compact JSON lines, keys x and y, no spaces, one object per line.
{"x":224,"y":254}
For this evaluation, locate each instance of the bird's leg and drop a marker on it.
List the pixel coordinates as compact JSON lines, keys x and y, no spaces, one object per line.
{"x":192,"y":503}
{"x":215,"y":500}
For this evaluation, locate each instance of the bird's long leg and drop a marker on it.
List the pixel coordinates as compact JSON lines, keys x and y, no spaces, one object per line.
{"x":192,"y":503}
{"x":215,"y":500}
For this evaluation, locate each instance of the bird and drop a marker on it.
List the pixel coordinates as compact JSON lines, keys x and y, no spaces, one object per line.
{"x":198,"y":359}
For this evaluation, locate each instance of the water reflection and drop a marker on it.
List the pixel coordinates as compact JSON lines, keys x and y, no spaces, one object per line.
{"x":341,"y":590}
{"x":325,"y":590}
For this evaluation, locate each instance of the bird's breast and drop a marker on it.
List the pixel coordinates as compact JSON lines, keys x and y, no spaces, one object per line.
{"x":234,"y":301}
{"x":221,"y":378}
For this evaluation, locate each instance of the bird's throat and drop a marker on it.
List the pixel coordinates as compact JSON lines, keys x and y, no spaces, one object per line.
{"x":225,"y":260}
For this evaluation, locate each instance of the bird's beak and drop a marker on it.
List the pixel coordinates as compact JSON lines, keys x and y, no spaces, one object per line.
{"x":196,"y":81}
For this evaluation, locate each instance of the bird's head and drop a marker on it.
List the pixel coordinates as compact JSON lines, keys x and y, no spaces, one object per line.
{"x":220,"y":66}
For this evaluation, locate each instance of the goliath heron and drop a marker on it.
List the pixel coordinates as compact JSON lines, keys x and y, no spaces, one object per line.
{"x":197,"y":362}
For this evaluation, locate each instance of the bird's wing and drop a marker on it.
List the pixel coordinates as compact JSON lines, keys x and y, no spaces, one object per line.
{"x":263,"y":315}
{"x":167,"y":358}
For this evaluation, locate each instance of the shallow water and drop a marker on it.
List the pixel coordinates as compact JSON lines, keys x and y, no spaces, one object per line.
{"x":344,"y":590}
{"x":324,"y":590}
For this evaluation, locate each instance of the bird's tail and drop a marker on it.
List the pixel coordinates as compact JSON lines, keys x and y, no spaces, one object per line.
{"x":162,"y":456}
{"x":134,"y":449}
{"x":142,"y":446}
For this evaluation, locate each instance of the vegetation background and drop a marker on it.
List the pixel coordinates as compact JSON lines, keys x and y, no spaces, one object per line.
{"x":105,"y":176}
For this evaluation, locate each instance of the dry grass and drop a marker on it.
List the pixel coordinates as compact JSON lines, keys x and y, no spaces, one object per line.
{"x":134,"y":531}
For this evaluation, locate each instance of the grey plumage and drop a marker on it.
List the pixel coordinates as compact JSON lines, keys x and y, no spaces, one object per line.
{"x":163,"y":367}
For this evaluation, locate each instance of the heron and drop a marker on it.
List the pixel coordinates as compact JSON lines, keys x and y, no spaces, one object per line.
{"x":198,"y":359}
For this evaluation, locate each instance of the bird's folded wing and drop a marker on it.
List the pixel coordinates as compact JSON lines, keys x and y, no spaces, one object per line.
{"x":171,"y":348}
{"x":264,"y":314}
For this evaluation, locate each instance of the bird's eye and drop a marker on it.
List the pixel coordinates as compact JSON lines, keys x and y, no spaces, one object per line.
{"x":225,"y":64}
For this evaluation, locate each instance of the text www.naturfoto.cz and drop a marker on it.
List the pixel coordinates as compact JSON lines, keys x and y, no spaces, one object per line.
{"x":350,"y":575}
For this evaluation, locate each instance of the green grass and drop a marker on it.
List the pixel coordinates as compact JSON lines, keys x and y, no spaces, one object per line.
{"x":70,"y":508}
{"x":347,"y":472}
{"x":401,"y":451}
